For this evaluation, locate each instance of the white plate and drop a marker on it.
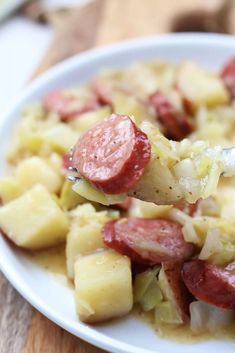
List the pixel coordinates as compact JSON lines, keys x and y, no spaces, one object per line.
{"x":52,"y":299}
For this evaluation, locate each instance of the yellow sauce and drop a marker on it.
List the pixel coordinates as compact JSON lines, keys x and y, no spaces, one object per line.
{"x":183,"y":333}
{"x":54,"y":262}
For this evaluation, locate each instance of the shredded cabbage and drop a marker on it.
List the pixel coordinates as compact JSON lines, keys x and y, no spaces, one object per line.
{"x":84,"y":188}
{"x":147,"y":292}
{"x":148,"y":209}
{"x":152,"y":297}
{"x":195,"y":168}
{"x":207,"y":317}
{"x":179,"y":216}
{"x":142,"y":282}
{"x":217,"y":248}
{"x":209,"y":207}
{"x":166,"y":313}
{"x":190,"y":235}
{"x":69,"y":198}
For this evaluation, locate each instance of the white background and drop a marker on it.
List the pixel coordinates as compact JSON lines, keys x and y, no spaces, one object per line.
{"x":22,"y":45}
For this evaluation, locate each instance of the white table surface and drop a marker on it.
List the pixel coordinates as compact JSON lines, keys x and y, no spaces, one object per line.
{"x":22,"y":45}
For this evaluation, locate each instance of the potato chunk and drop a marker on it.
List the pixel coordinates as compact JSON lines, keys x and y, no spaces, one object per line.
{"x":88,"y":119}
{"x":82,"y":240}
{"x":9,"y":189}
{"x":85,"y":234}
{"x":103,"y":286}
{"x":36,"y":170}
{"x":34,"y":220}
{"x":201,"y":87}
{"x":127,"y":104}
{"x":60,"y":137}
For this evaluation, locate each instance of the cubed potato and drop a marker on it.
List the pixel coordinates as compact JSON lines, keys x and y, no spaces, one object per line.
{"x":82,"y":214}
{"x":87,"y":120}
{"x":103,"y":286}
{"x":9,"y":189}
{"x":55,"y":161}
{"x":86,"y":214}
{"x":36,"y":170}
{"x":201,"y":87}
{"x":85,"y":234}
{"x":34,"y":220}
{"x":60,"y":137}
{"x":30,"y":141}
{"x":127,"y":104}
{"x":82,"y":240}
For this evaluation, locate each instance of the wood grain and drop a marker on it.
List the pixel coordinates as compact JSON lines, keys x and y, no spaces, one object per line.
{"x":14,"y":318}
{"x":23,"y":329}
{"x":136,"y":18}
{"x":46,"y":337}
{"x":71,"y":33}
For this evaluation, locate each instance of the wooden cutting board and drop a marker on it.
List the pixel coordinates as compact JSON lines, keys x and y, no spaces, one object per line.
{"x":22,"y":328}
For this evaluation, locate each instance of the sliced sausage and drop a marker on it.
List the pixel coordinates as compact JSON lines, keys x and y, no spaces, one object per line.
{"x":228,"y":76}
{"x":148,"y":241}
{"x":176,"y":290}
{"x":103,"y":91}
{"x":113,"y":154}
{"x":188,"y":105}
{"x":210,"y":283}
{"x":176,"y":123}
{"x":66,"y":161}
{"x":68,"y":107}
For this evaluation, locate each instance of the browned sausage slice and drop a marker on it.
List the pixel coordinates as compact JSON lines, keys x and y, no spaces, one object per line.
{"x":103,"y":91}
{"x":176,"y":290}
{"x":113,"y":154}
{"x":148,"y":241}
{"x":66,"y":161}
{"x":211,"y":283}
{"x":228,"y":76}
{"x":68,"y":107}
{"x":176,"y":123}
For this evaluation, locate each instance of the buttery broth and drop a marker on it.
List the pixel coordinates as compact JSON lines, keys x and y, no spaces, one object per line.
{"x":54,"y":262}
{"x":183,"y":333}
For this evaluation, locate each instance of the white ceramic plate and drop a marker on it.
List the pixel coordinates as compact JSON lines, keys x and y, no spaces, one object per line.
{"x":38,"y":287}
